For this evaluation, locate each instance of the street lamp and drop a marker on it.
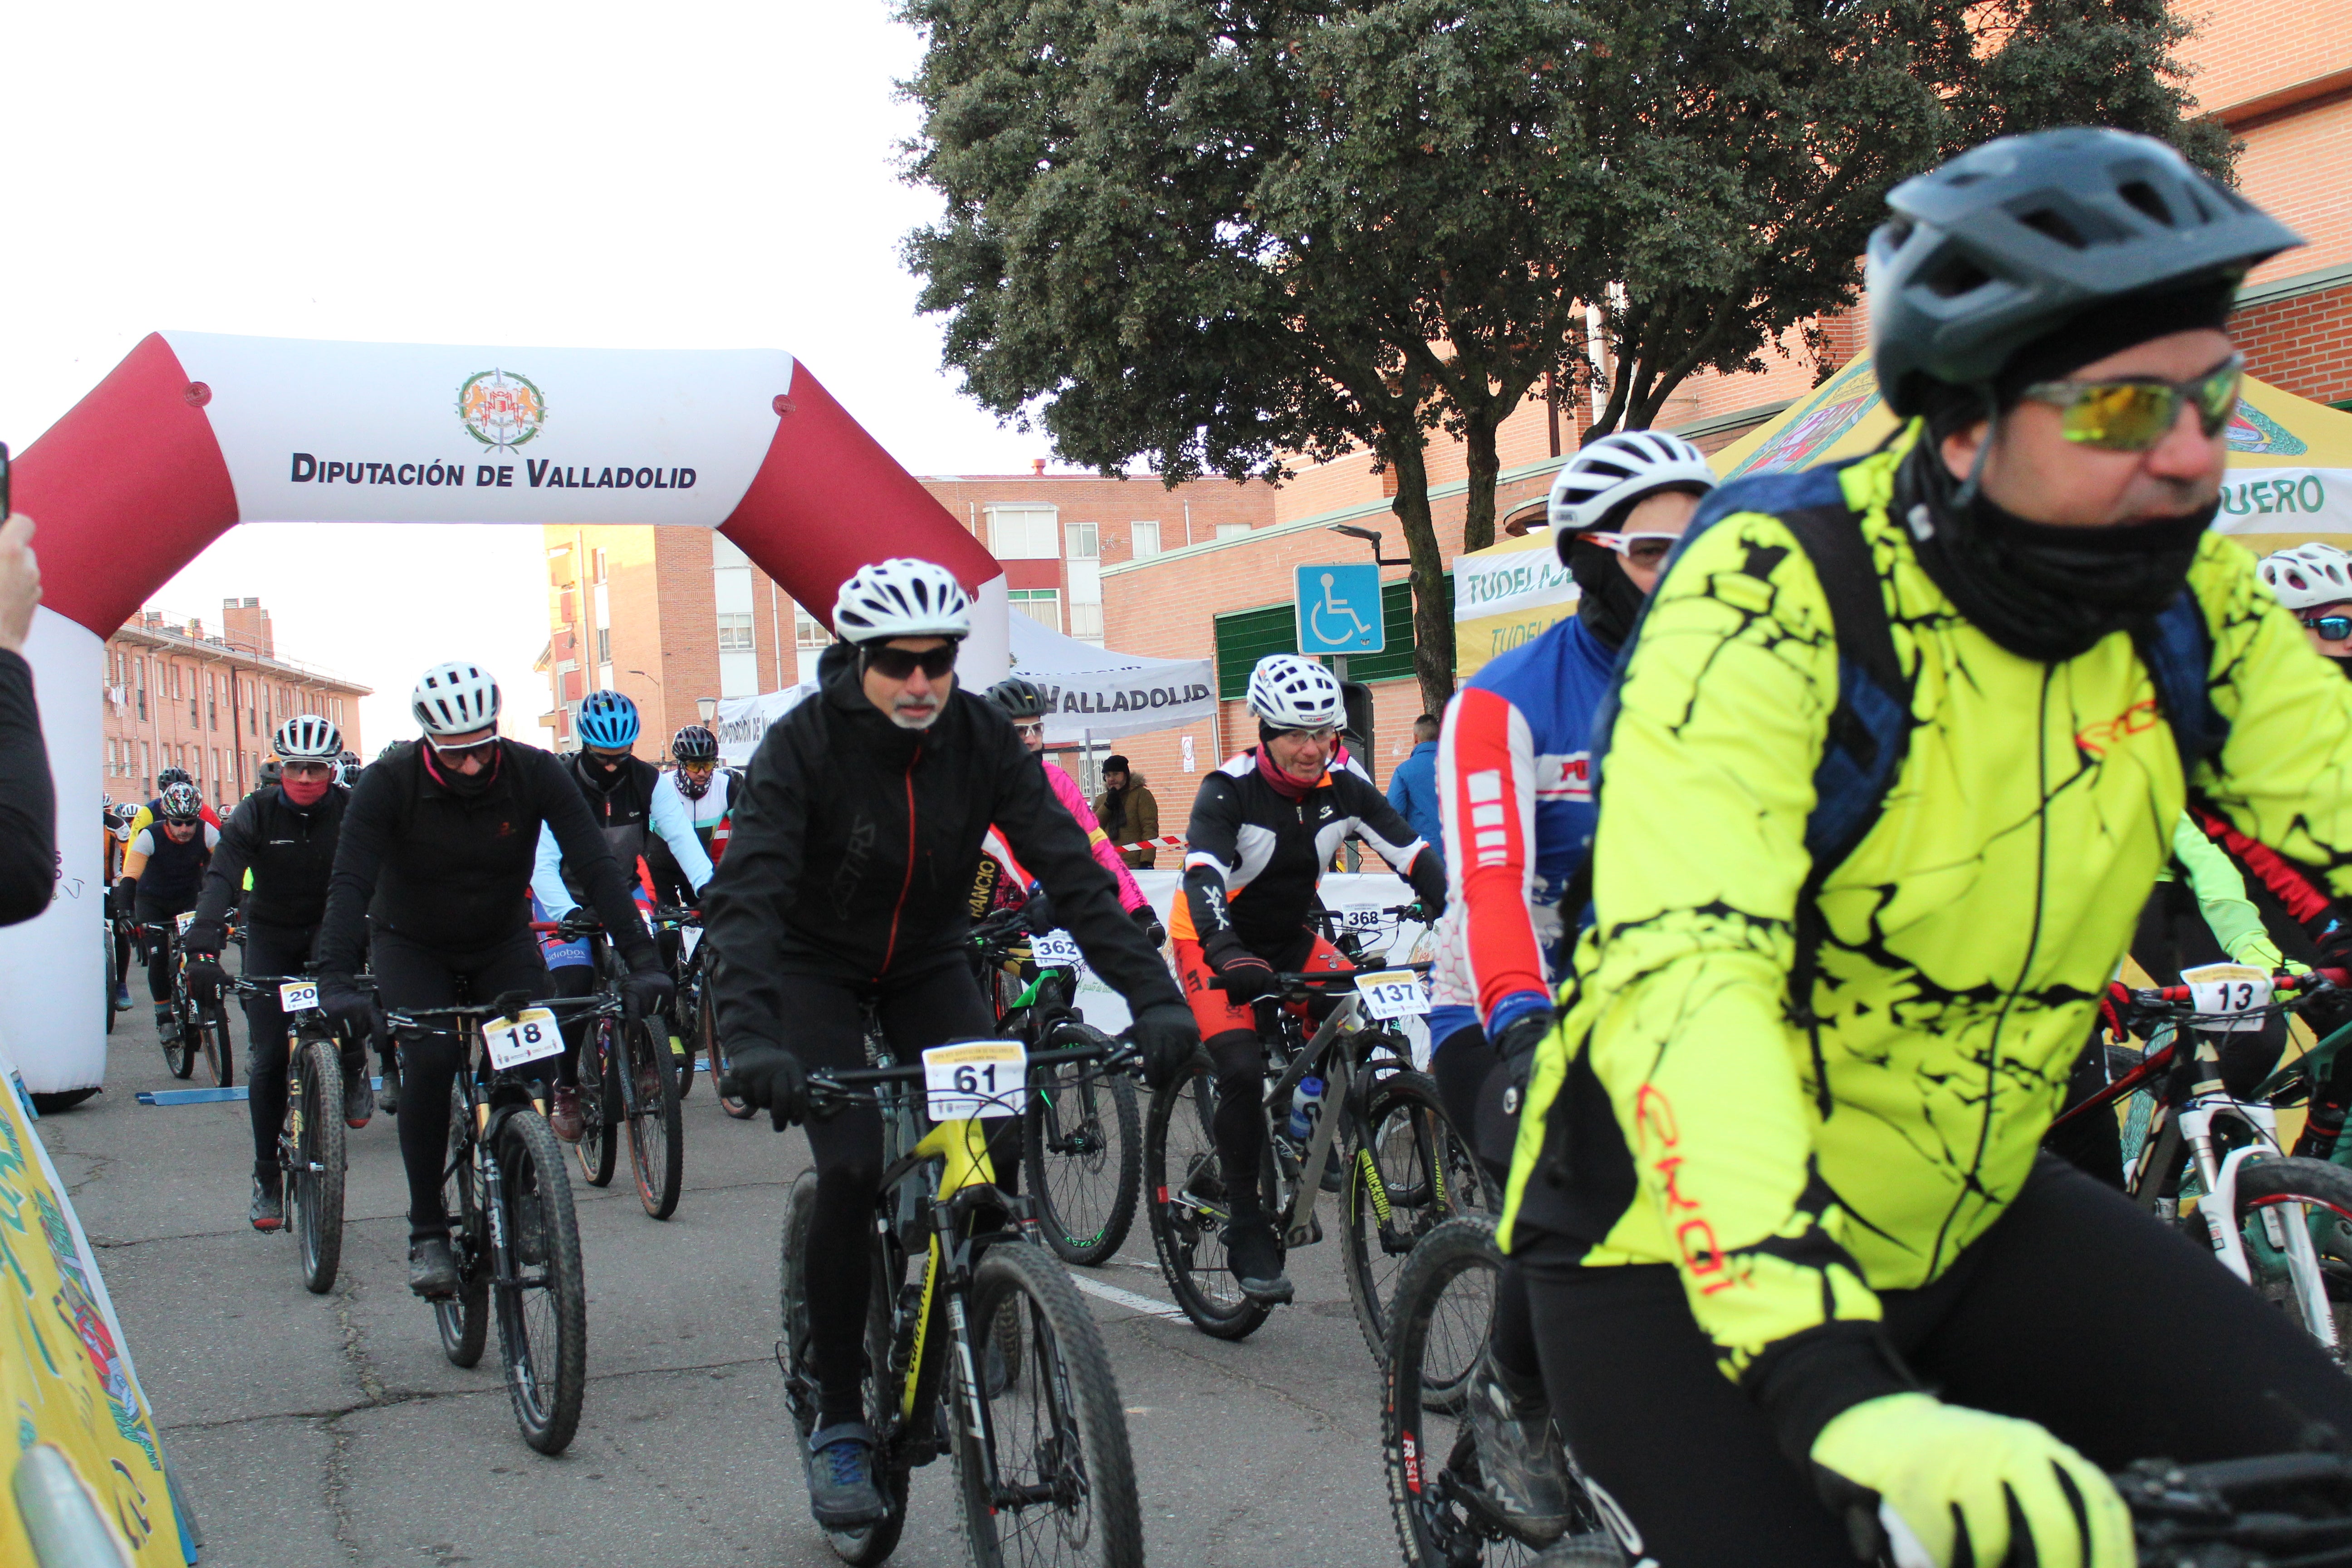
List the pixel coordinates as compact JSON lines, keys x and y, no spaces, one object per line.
{"x":1373,"y":538}
{"x":707,"y":706}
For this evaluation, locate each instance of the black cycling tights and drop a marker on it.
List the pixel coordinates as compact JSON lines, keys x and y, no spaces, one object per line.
{"x":918,"y":1010}
{"x":270,"y":950}
{"x":2076,"y":1309}
{"x":410,"y":974}
{"x":572,"y":980}
{"x":1470,"y":1081}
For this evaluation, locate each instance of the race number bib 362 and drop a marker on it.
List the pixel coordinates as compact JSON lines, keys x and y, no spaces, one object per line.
{"x":1055,"y":950}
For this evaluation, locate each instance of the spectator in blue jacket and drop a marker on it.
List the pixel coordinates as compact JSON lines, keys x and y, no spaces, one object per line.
{"x":1412,"y":787}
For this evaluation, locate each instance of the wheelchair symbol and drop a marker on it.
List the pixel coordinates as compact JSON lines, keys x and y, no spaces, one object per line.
{"x":1336,"y":607}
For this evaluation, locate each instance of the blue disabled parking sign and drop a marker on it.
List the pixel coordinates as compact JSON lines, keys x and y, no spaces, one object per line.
{"x":1340,"y":609}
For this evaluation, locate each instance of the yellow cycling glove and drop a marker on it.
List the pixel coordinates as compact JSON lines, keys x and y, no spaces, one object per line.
{"x":1947,"y":1482}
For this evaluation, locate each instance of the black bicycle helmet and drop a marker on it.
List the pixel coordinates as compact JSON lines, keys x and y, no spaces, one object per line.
{"x":169,"y":777}
{"x":694,"y":744}
{"x":2012,"y":239}
{"x":1020,"y":701}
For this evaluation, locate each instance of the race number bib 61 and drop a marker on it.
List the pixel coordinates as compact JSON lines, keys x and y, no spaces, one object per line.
{"x":1055,"y":950}
{"x":1393,"y":994}
{"x":976,"y":1079}
{"x":2229,"y":997}
{"x":297,"y":994}
{"x":527,"y":1039}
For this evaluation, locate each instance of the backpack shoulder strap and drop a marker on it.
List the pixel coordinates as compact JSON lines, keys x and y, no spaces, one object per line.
{"x":2177,"y":649}
{"x":1870,"y":723}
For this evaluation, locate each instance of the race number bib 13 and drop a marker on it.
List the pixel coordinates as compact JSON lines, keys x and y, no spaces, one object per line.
{"x":2229,"y":997}
{"x":1055,"y":950}
{"x":1393,"y":994}
{"x":976,"y":1079}
{"x":296,"y":994}
{"x":514,"y":1041}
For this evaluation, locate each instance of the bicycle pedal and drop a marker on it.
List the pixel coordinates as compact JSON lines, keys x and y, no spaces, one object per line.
{"x":1305,"y":1235}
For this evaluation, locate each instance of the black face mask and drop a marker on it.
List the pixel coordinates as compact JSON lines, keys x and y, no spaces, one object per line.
{"x":601,"y":774}
{"x":2041,"y":591}
{"x":1608,"y":602}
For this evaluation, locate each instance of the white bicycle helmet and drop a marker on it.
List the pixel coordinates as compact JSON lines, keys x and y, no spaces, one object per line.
{"x":2308,"y":575}
{"x":901,"y":597}
{"x":1291,"y":692}
{"x":308,"y":738}
{"x":1617,"y":470}
{"x":455,"y":698}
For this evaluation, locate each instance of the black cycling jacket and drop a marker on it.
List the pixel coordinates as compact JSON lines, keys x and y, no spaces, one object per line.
{"x":623,"y":807}
{"x":28,"y":810}
{"x":856,"y":843}
{"x":453,"y":871}
{"x":1245,"y":837}
{"x":290,"y":851}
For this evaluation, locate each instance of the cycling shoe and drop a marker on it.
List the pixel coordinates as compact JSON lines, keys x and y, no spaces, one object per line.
{"x":1255,"y":1256}
{"x":842,"y":1493}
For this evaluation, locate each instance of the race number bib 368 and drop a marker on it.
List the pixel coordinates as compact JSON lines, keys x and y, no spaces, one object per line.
{"x":527,"y":1039}
{"x":976,"y":1079}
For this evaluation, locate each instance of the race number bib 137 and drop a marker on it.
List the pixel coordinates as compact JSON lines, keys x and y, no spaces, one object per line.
{"x":1057,"y":949}
{"x":2229,"y":997}
{"x":976,"y":1079}
{"x":1393,"y":994}
{"x":527,"y":1039}
{"x":296,"y":994}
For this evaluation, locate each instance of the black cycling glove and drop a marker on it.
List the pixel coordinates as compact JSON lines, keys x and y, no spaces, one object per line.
{"x":124,"y":896}
{"x":1169,"y":1039}
{"x":647,"y":989}
{"x":1246,"y":977}
{"x":1518,"y":1042}
{"x":340,"y":998}
{"x":206,"y":978}
{"x":1154,"y":931}
{"x":770,"y":1077}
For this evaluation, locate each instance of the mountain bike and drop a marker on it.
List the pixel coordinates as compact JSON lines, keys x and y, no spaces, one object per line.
{"x":2196,"y":1155}
{"x":1403,"y":1168}
{"x":1082,"y":1133}
{"x":1438,"y":1325}
{"x":628,"y":1085}
{"x":198,"y":1028}
{"x":2274,"y":1510}
{"x":311,"y":1143}
{"x":703,"y":966}
{"x":986,"y":1353}
{"x":685,"y":1010}
{"x":512,"y":1222}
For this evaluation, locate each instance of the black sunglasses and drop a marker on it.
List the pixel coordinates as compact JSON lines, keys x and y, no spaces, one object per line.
{"x":898,"y":663}
{"x":2331,"y":629}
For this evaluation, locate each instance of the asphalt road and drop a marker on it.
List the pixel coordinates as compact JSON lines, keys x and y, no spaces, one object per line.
{"x":330,"y":1429}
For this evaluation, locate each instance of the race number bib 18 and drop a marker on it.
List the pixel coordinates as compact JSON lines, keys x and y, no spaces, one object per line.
{"x":527,"y":1039}
{"x":1393,"y":994}
{"x":976,"y":1079}
{"x":296,"y":994}
{"x":1055,"y":950}
{"x":2229,"y":997}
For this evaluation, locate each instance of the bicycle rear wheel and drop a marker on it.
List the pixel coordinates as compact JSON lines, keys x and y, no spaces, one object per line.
{"x":1407,"y":1172}
{"x":220,"y":1056}
{"x":600,"y":1098}
{"x":542,"y":1308}
{"x":1082,"y":1144}
{"x":1440,"y":1310}
{"x":314,"y":1185}
{"x":1188,"y":1211}
{"x":2317,"y":1195}
{"x":657,"y":1135}
{"x":464,"y":1319}
{"x":871,"y":1543}
{"x":1065,"y":1476}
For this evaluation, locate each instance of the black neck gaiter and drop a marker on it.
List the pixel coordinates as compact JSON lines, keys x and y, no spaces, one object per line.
{"x":2041,"y":591}
{"x":1607,"y":602}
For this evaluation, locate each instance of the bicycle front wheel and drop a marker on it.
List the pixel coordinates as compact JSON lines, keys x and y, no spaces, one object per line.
{"x":2317,"y":1195}
{"x":314,"y":1179}
{"x":656,"y":1136}
{"x":212,"y":1025}
{"x":1189,"y":1207}
{"x":1051,"y":1479}
{"x":180,"y":1047}
{"x":1082,"y":1144}
{"x":1407,"y":1172}
{"x":600,"y":1099}
{"x":464,"y":1319}
{"x":715,"y":1053}
{"x":542,"y":1304}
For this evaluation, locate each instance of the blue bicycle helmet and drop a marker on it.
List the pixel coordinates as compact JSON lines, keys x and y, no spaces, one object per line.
{"x":608,"y":722}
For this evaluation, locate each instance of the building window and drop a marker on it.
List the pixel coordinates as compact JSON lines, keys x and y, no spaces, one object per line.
{"x":808,"y":632}
{"x":597,"y":559}
{"x":735,"y":633}
{"x":1043,"y":606}
{"x":604,"y":644}
{"x":138,"y":682}
{"x":1024,"y":532}
{"x":1233,"y":530}
{"x":147,"y":764}
{"x":1085,"y":623}
{"x":1145,"y":536}
{"x":1082,"y":541}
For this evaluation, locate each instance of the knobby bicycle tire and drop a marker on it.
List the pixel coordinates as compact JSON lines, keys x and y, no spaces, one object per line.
{"x":220,"y":1054}
{"x":1187,"y":1208}
{"x":545,"y":1350}
{"x":180,"y":1050}
{"x":314,"y":1193}
{"x":600,"y":1099}
{"x":1408,"y":1169}
{"x":1082,"y":1146}
{"x":656,"y":1131}
{"x":2296,"y":1182}
{"x":464,"y":1319}
{"x":869,"y":1545}
{"x":714,"y":1052}
{"x":1061,"y":1408}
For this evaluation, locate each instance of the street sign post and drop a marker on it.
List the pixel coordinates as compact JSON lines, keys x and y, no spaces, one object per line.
{"x":1338,"y":609}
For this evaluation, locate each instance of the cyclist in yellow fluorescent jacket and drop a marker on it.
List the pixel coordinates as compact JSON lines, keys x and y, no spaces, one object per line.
{"x":1777,"y":1175}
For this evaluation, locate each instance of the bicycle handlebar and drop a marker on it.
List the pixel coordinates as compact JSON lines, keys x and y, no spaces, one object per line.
{"x":1340,"y":979}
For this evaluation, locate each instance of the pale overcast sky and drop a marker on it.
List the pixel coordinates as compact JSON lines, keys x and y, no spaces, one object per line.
{"x":677,"y":176}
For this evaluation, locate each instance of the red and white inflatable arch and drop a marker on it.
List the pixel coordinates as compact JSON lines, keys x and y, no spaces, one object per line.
{"x":193,"y":433}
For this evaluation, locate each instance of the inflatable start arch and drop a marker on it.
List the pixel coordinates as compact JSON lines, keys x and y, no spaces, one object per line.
{"x":193,"y":433}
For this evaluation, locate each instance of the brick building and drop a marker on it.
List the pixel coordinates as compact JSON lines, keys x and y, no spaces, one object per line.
{"x":2281,"y":81}
{"x":178,"y":696}
{"x":670,"y":615}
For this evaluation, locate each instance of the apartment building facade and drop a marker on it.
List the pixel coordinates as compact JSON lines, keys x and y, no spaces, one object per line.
{"x":178,"y":695}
